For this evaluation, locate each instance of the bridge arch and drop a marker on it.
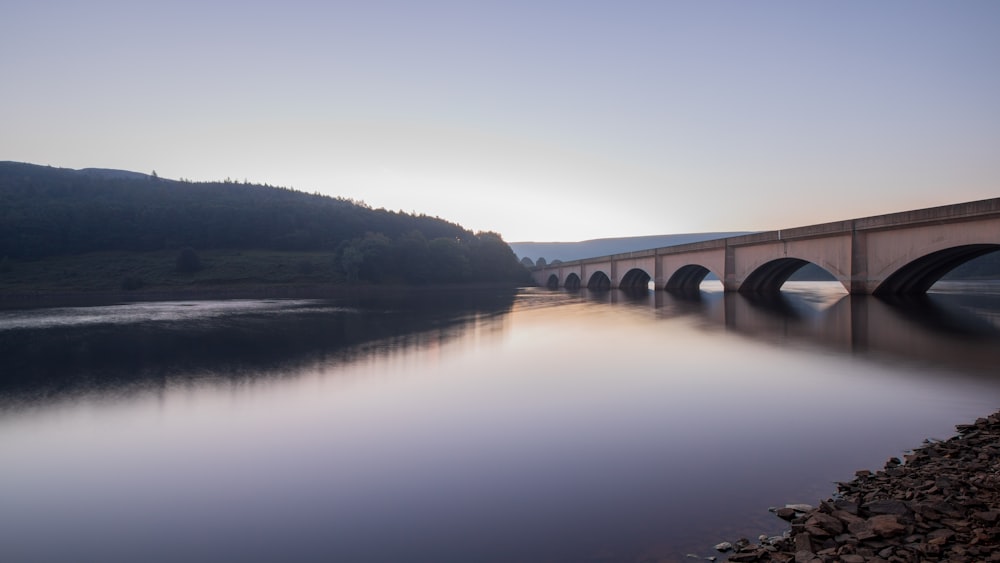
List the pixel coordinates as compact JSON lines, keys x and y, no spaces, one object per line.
{"x":688,"y":278}
{"x":770,"y":276}
{"x":599,"y":281}
{"x":572,"y":282}
{"x":552,"y":282}
{"x":635,"y":279}
{"x":919,"y":275}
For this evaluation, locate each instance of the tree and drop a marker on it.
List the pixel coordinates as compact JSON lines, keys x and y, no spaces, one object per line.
{"x":351,"y":258}
{"x":527,"y":262}
{"x":540,"y":262}
{"x":448,"y":263}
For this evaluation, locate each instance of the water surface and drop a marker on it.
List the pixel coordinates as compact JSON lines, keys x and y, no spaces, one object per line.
{"x":485,"y":426}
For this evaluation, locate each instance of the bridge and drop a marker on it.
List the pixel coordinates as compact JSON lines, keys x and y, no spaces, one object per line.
{"x":897,"y":253}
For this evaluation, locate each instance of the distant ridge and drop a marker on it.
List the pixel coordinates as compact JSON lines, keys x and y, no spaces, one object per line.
{"x":567,"y":251}
{"x":111,"y":173}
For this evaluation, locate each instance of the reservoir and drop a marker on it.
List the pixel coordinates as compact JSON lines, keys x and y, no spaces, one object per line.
{"x":524,"y":425}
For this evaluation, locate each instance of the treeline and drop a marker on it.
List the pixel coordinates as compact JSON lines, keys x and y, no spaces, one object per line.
{"x":47,"y":211}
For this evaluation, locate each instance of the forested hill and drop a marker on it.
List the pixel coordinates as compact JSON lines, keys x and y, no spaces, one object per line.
{"x":46,"y":211}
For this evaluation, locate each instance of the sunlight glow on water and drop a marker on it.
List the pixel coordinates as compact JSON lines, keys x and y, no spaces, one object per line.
{"x":143,"y":312}
{"x":553,"y":427}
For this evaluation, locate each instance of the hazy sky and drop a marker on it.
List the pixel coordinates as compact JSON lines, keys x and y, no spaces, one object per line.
{"x":541,"y":120}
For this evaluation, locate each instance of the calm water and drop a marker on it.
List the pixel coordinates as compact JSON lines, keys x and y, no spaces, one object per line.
{"x":486,"y":426}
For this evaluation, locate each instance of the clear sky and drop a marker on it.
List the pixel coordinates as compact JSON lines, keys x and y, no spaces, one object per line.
{"x":542,"y":120}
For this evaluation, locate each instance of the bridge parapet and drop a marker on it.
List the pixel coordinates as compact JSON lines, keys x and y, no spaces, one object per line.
{"x":956,"y":212}
{"x":866,"y":255}
{"x":694,"y":246}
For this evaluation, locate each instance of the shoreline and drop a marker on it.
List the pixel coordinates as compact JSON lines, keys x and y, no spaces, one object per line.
{"x":83,"y":298}
{"x":941,"y":504}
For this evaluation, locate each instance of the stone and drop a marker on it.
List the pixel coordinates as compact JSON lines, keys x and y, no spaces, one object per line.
{"x":785,"y":513}
{"x":942,"y":504}
{"x":863,"y":530}
{"x":987,"y":515}
{"x":846,"y":517}
{"x":846,"y":506}
{"x":886,"y":525}
{"x":803,"y":542}
{"x":829,"y":525}
{"x":887,"y":506}
{"x":940,"y":537}
{"x":724,"y":546}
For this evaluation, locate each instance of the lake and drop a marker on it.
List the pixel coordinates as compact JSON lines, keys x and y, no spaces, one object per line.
{"x":486,"y":425}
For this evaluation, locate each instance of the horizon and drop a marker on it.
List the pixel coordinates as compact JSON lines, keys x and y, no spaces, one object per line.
{"x":543,"y":122}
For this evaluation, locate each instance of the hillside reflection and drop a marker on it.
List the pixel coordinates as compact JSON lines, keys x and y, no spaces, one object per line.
{"x":54,"y":353}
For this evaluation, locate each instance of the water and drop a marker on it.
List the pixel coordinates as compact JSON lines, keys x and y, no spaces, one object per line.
{"x":473,"y":426}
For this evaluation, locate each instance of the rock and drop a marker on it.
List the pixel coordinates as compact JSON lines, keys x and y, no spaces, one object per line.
{"x":942,"y":504}
{"x":786,"y":513}
{"x":987,"y":515}
{"x":803,"y":542}
{"x":863,"y":530}
{"x":724,"y":546}
{"x":886,"y":525}
{"x":846,"y":517}
{"x":827,"y":524}
{"x":887,"y":506}
{"x":846,"y":506}
{"x":940,"y":537}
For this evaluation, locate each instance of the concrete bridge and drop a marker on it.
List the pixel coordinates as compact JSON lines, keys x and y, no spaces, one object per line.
{"x":898,"y":253}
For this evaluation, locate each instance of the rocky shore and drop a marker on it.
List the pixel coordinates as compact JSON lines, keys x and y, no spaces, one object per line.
{"x":942,"y":503}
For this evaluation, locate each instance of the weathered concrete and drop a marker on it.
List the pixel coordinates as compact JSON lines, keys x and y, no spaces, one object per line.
{"x":898,"y":253}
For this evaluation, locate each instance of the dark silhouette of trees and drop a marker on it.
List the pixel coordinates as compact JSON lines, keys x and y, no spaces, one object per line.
{"x":47,"y":211}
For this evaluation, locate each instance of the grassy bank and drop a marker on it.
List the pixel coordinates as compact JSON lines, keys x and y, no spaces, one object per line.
{"x":113,"y":277}
{"x":157,"y":271}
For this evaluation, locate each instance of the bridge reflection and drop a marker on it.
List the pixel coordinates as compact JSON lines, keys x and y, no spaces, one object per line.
{"x":935,"y":328}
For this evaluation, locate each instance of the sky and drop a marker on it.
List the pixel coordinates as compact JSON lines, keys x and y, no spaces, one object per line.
{"x":540,"y":120}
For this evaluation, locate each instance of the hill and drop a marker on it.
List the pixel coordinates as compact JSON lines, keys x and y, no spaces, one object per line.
{"x":51,"y":213}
